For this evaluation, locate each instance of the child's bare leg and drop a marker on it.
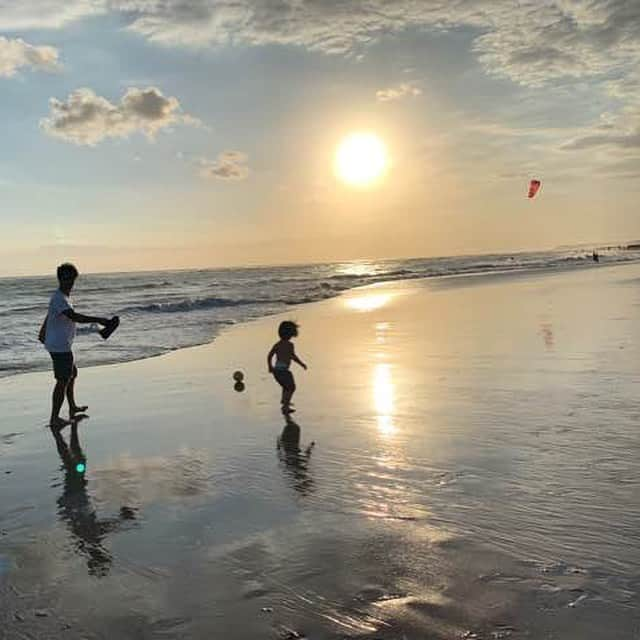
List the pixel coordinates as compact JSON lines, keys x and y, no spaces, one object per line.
{"x":286,"y":400}
{"x":57,"y":399}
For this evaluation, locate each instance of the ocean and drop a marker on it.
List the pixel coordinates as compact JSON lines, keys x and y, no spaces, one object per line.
{"x":161,"y":311}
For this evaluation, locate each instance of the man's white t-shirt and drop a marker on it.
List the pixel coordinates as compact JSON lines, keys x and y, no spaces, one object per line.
{"x":60,"y":330}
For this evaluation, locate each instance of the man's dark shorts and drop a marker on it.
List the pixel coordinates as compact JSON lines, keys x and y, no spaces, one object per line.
{"x":285,"y":379}
{"x":64,"y":368}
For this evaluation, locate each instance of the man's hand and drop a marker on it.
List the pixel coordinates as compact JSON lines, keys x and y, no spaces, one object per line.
{"x":42,"y":334}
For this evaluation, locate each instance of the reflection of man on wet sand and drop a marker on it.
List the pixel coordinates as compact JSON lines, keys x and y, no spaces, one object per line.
{"x":76,"y":510}
{"x":295,"y":460}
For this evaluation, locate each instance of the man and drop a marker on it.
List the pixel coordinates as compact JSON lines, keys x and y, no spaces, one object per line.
{"x":57,"y":333}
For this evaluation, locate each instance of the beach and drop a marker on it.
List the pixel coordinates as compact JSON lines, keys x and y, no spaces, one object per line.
{"x":467,"y":468}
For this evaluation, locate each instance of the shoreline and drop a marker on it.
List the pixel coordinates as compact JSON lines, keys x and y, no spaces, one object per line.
{"x":464,"y":279}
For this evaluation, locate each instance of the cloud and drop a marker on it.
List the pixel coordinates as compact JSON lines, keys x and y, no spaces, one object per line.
{"x":15,"y":54}
{"x":87,"y":119}
{"x":229,"y":165}
{"x":629,"y":168}
{"x":629,"y":140}
{"x":396,"y":93}
{"x":527,"y":41}
{"x":22,"y":15}
{"x":615,"y":133}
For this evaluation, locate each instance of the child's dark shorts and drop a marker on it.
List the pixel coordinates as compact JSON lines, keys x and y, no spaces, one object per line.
{"x":285,"y":379}
{"x":64,"y":369}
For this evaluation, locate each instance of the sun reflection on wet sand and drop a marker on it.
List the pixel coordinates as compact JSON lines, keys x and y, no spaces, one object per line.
{"x":368,"y":302}
{"x":383,"y":398}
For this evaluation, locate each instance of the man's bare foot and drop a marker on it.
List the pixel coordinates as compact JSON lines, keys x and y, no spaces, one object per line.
{"x":59,"y":423}
{"x":288,"y":410}
{"x":78,"y":409}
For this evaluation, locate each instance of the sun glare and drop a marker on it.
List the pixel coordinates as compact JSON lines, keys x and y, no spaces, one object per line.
{"x":361,"y":159}
{"x":368,"y":301}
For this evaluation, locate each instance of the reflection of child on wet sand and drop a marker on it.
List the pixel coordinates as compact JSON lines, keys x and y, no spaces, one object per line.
{"x":294,"y":458}
{"x":289,"y":440}
{"x":284,"y":353}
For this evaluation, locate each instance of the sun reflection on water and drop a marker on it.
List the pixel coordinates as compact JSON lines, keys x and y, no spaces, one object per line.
{"x":358,"y":269}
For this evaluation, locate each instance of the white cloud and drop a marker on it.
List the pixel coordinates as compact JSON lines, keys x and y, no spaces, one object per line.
{"x":87,"y":119}
{"x":16,"y":54}
{"x":396,"y":93}
{"x":622,"y":140}
{"x":21,"y":15}
{"x":528,"y":41}
{"x":229,"y":165}
{"x":615,"y":134}
{"x":535,"y":43}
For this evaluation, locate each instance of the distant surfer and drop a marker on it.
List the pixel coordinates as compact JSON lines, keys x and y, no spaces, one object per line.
{"x":57,"y":334}
{"x":595,"y":256}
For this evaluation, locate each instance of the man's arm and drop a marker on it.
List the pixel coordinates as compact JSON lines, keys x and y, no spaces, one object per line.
{"x":42,"y":334}
{"x":82,"y":319}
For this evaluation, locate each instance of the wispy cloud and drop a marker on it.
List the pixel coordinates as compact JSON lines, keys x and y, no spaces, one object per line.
{"x":629,"y":140}
{"x":528,"y":41}
{"x":402,"y":90}
{"x":87,"y":119}
{"x":17,"y":54}
{"x":16,"y":15}
{"x":229,"y":165}
{"x":616,"y":135}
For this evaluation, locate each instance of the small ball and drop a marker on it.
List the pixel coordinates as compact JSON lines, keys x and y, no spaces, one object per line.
{"x":238,"y":376}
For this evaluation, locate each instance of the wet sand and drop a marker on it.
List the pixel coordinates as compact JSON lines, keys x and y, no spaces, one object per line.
{"x":475,"y":471}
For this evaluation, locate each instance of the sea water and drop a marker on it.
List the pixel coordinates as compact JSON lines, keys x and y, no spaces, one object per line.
{"x":162,"y":311}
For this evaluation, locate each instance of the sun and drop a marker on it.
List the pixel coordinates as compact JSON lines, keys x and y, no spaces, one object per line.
{"x":361,"y":158}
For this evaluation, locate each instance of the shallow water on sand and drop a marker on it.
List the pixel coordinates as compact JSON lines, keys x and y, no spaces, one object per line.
{"x":463,"y":460}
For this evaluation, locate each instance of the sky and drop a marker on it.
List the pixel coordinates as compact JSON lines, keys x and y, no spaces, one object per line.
{"x":150,"y":134}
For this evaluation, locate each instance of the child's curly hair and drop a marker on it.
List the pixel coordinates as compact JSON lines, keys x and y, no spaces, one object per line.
{"x":288,"y":329}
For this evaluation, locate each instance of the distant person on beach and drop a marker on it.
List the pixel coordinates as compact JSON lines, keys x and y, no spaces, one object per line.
{"x":595,"y":256}
{"x":57,"y":333}
{"x":284,"y":353}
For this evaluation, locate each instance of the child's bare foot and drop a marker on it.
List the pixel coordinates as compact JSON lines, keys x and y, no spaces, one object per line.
{"x":77,"y":409}
{"x":59,"y":423}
